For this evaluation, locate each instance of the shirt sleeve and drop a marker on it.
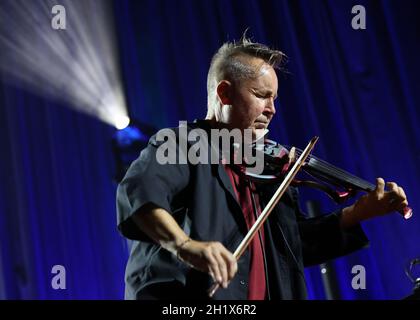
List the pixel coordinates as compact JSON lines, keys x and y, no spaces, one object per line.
{"x":148,"y":181}
{"x":324,"y":239}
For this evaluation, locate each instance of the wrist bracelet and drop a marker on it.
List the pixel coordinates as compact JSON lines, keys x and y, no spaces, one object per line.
{"x":181,"y":245}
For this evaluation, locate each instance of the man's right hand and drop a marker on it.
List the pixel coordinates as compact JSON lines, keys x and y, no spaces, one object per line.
{"x":210,"y":257}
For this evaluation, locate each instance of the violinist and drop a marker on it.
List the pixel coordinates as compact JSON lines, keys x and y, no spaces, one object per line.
{"x":186,"y":220}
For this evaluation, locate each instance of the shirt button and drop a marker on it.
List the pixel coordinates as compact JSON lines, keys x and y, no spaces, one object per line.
{"x":242,"y":282}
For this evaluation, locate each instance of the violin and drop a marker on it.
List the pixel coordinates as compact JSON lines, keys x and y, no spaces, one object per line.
{"x":337,"y":183}
{"x":276,"y":169}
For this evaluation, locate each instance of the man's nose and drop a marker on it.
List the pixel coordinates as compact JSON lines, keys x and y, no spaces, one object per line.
{"x":270,"y":106}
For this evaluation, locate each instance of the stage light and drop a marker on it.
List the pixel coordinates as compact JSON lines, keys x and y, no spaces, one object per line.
{"x":130,"y":136}
{"x":127,"y":145}
{"x":77,"y":64}
{"x":122,"y":122}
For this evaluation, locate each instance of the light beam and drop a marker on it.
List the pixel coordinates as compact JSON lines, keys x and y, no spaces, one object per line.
{"x":77,"y":65}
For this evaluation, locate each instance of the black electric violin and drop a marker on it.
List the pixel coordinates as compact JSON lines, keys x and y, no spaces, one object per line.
{"x":338,"y":184}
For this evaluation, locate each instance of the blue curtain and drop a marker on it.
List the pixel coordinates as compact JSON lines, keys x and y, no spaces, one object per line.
{"x":356,"y":89}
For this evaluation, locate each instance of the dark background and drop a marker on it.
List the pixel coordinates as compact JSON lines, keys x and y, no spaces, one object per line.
{"x":356,"y":89}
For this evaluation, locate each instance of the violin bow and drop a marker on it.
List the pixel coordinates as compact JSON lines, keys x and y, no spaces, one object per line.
{"x":270,"y":206}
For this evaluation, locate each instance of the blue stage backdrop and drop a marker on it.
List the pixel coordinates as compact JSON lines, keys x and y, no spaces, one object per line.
{"x":356,"y":89}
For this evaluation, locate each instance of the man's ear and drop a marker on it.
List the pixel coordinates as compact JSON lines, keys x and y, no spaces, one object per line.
{"x":223,"y":90}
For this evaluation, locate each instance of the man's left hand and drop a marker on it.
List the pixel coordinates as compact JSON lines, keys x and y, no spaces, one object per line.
{"x":376,"y":203}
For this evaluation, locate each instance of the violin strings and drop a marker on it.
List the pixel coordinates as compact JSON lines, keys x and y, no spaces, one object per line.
{"x":327,"y":168}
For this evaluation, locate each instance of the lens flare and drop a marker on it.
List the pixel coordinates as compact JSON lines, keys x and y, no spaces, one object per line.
{"x":77,"y":64}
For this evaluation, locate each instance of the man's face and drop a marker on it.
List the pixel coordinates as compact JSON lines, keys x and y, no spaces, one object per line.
{"x":252,"y":100}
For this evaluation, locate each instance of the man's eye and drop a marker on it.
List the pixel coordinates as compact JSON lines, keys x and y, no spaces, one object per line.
{"x":263,"y":96}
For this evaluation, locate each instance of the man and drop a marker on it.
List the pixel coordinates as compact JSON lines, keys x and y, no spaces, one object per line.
{"x":187,"y":219}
